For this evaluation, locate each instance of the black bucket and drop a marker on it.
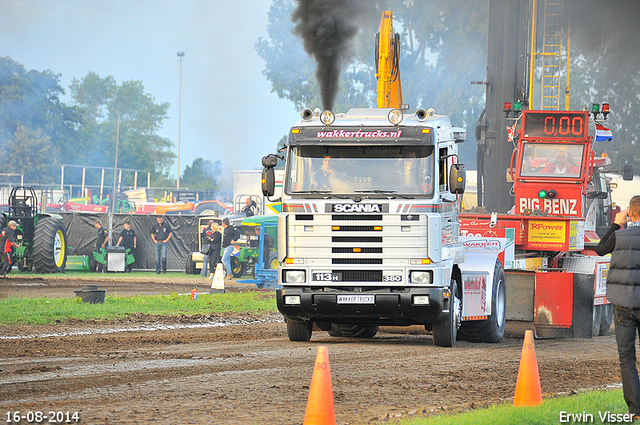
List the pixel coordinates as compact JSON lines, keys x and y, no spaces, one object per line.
{"x":91,"y":294}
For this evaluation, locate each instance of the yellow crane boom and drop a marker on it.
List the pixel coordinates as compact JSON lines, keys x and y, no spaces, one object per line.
{"x":388,"y":64}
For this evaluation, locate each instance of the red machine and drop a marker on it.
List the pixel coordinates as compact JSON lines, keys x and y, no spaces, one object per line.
{"x":555,"y":282}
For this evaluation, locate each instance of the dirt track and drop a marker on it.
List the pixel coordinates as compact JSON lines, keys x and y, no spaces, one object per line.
{"x":193,"y":370}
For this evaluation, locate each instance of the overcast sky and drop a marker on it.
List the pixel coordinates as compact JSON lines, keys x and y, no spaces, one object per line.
{"x":228,"y":110}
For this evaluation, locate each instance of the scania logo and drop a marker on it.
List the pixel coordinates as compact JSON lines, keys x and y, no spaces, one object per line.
{"x":357,"y":208}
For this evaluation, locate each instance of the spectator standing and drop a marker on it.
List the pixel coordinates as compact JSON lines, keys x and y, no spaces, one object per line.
{"x":204,"y":242}
{"x":101,"y":242}
{"x":7,"y":242}
{"x":128,"y":240}
{"x":250,"y":207}
{"x":231,"y":235}
{"x":215,"y":241}
{"x":161,"y":233}
{"x":623,"y":291}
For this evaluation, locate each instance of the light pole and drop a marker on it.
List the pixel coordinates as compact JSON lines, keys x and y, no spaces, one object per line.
{"x":180,"y":58}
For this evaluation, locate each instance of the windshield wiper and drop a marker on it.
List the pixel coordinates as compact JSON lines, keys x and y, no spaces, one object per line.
{"x":385,"y":192}
{"x":319,"y":192}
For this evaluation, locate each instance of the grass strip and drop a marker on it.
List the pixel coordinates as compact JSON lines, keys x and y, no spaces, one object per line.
{"x":14,"y":310}
{"x":595,"y":407}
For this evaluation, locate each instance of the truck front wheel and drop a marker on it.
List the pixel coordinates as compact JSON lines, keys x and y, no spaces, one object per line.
{"x":299,"y":331}
{"x":445,"y":333}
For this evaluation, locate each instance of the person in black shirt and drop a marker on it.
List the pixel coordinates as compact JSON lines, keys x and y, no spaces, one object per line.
{"x":161,"y":233}
{"x":128,"y":240}
{"x":204,"y":241}
{"x":623,"y":291}
{"x":101,"y":242}
{"x":250,"y":207}
{"x":231,"y":235}
{"x":215,"y":241}
{"x":7,"y":241}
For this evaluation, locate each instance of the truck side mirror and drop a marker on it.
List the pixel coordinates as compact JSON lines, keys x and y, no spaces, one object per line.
{"x":269,"y":161}
{"x":627,"y":172}
{"x":457,"y":179}
{"x":268,"y":181}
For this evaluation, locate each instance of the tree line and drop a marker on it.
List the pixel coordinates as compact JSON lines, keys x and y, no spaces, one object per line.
{"x":39,"y":132}
{"x":444,"y":49}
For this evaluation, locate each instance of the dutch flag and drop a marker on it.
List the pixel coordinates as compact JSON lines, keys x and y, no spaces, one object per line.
{"x":603,"y":134}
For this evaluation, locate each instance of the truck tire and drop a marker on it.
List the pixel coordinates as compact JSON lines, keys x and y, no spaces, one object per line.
{"x":492,"y":329}
{"x":190,"y":266}
{"x":445,"y":333}
{"x":238,"y":268}
{"x":597,"y":318}
{"x":606,"y":317}
{"x":299,"y":331}
{"x":353,"y":331}
{"x":49,"y":246}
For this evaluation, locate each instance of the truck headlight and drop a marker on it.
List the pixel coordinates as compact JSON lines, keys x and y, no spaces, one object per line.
{"x":294,"y":276}
{"x":420,"y":277}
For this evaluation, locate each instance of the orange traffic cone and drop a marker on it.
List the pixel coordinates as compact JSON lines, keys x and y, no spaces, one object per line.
{"x":528,"y":392}
{"x":320,"y":403}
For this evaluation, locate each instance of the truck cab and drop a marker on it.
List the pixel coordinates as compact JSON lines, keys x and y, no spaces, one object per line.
{"x":368,"y":233}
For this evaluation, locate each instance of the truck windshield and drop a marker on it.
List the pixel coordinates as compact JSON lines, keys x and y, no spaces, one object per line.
{"x":551,"y":159}
{"x":402,"y":170}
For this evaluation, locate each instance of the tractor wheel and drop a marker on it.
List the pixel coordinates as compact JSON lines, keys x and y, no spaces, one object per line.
{"x":238,"y":268}
{"x":49,"y":246}
{"x":273,"y":261}
{"x":93,"y":264}
{"x":190,"y":267}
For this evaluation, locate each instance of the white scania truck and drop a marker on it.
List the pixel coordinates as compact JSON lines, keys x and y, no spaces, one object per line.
{"x":369,"y":232}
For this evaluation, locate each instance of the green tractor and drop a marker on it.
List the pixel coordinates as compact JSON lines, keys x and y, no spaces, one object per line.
{"x":247,"y":255}
{"x":42,"y":237}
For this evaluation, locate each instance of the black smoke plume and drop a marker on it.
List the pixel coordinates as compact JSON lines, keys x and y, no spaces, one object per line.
{"x":326,"y":27}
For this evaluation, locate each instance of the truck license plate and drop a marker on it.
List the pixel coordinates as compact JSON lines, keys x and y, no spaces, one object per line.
{"x":356,"y":299}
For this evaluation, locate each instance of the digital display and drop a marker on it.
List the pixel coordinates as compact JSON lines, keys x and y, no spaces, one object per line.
{"x":555,"y":125}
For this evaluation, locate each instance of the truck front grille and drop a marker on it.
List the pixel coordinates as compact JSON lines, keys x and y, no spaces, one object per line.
{"x":368,"y":245}
{"x":346,"y":250}
{"x":352,"y":217}
{"x":355,"y":229}
{"x":356,"y":261}
{"x":360,"y":275}
{"x":357,"y":239}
